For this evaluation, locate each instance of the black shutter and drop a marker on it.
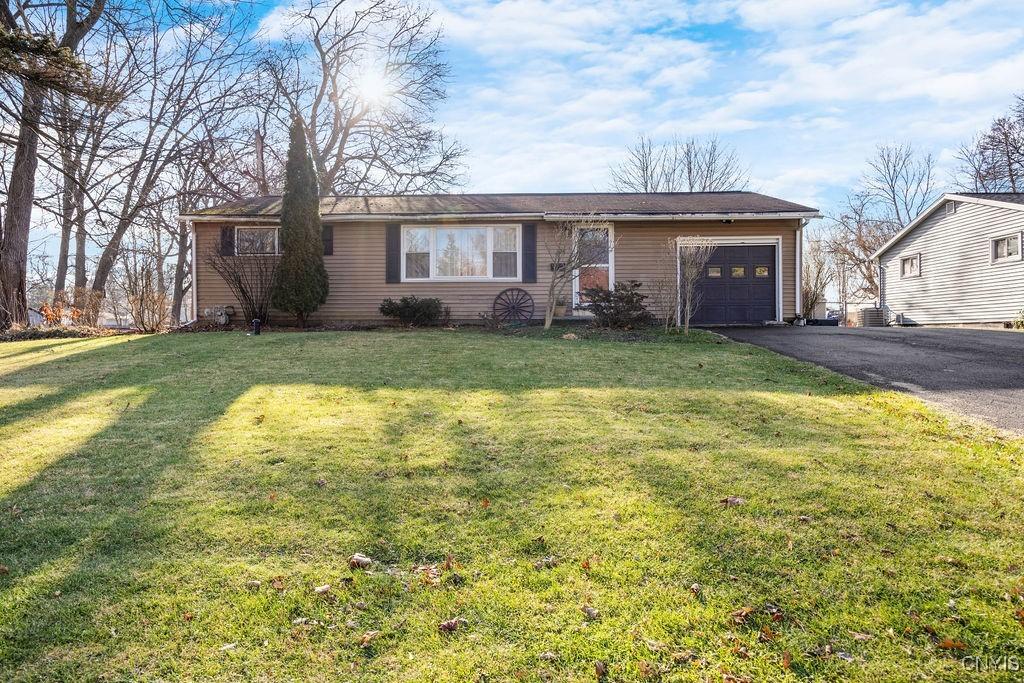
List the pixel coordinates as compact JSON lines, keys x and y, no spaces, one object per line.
{"x":328,"y":235}
{"x":529,"y":252}
{"x":227,"y":241}
{"x":392,"y":253}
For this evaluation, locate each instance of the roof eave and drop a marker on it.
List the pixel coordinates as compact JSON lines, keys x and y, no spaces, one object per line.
{"x":738,"y":215}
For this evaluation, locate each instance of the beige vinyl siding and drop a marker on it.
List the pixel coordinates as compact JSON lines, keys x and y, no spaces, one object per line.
{"x":356,"y":273}
{"x":958,"y":281}
{"x":356,"y":269}
{"x":639,"y":245}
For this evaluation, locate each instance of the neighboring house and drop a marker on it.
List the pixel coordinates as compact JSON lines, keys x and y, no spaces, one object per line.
{"x":466,"y":249}
{"x":958,"y":262}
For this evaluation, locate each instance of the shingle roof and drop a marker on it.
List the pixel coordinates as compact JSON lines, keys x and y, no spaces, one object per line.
{"x":675,"y":203}
{"x":1008,"y":197}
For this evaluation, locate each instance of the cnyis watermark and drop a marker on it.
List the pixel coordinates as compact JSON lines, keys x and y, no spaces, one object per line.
{"x":981,"y":663}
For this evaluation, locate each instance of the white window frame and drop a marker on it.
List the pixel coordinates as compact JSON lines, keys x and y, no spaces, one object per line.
{"x":951,"y":208}
{"x":912,"y":276}
{"x":610,"y":227}
{"x":277,"y":238}
{"x":434,"y":277}
{"x":1016,"y":258}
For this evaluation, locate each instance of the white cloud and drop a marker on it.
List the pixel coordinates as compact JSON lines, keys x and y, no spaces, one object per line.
{"x":547,"y":93}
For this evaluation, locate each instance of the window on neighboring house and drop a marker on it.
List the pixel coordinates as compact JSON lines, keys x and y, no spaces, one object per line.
{"x":250,"y":241}
{"x":910,"y":266}
{"x":1006,"y":248}
{"x":461,"y":252}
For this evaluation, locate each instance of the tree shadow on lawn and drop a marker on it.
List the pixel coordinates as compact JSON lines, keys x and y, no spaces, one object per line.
{"x":146,"y":493}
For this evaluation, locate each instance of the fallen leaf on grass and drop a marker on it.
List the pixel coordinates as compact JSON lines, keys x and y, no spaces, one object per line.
{"x":590,"y":613}
{"x":228,"y":646}
{"x":547,"y":656}
{"x":845,"y":656}
{"x":546,"y":562}
{"x":804,"y":519}
{"x":740,"y":616}
{"x":647,"y":669}
{"x":452,"y":625}
{"x":696,"y":589}
{"x":1019,"y":614}
{"x":861,"y":637}
{"x":485,"y":503}
{"x":359,"y":561}
{"x":273,"y":496}
{"x":4,"y":569}
{"x":600,"y":668}
{"x":732,"y":501}
{"x":321,"y":482}
{"x":787,"y":660}
{"x":951,"y":644}
{"x":367,"y":638}
{"x":277,"y":583}
{"x":253,"y":585}
{"x":569,"y":336}
{"x":322,"y":590}
{"x":187,"y":616}
{"x":259,"y":419}
{"x":767,"y":635}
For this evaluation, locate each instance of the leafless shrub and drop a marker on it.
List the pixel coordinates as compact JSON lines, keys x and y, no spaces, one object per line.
{"x":694,"y":254}
{"x":250,"y":278}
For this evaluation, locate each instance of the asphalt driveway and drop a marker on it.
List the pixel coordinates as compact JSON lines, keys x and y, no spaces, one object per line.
{"x":975,"y":372}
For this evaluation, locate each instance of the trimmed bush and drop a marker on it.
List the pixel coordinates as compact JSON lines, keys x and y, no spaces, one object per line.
{"x":620,"y":308}
{"x":413,"y":311}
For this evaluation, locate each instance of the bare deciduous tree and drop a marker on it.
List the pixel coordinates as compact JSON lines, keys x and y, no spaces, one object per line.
{"x":34,"y":20}
{"x":818,"y":274}
{"x":364,"y":79}
{"x":568,"y":251}
{"x":680,"y":165}
{"x":994,"y":160}
{"x":900,"y":182}
{"x":694,"y":254}
{"x":897,"y":187}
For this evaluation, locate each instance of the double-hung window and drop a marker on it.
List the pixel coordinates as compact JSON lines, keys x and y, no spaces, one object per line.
{"x":1006,"y":248}
{"x":484,"y":252}
{"x":255,"y":241}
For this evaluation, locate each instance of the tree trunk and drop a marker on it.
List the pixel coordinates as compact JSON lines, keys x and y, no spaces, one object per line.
{"x":178,"y":290}
{"x":81,"y":279}
{"x":67,"y":219}
{"x":18,"y":217}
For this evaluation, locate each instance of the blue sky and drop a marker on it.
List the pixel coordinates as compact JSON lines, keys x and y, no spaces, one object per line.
{"x":547,"y":93}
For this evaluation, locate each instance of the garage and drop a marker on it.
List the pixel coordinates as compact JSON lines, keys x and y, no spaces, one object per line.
{"x":739,"y":286}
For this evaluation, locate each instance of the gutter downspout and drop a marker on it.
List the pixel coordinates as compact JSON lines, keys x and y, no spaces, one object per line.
{"x":799,"y":266}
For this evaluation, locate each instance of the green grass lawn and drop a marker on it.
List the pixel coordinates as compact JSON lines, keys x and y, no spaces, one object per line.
{"x":147,"y":483}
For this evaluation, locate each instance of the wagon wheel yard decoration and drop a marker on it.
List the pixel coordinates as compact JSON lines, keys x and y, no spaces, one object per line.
{"x":513,"y":305}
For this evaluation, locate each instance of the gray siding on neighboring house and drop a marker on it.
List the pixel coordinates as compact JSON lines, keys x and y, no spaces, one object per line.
{"x":958,"y":281}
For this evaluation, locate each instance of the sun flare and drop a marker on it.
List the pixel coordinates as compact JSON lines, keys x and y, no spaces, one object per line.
{"x":373,"y":87}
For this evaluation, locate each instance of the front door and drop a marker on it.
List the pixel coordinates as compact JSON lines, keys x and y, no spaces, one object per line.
{"x":595,"y":246}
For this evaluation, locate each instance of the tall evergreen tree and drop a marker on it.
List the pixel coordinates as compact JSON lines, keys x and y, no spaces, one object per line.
{"x":301,"y":283}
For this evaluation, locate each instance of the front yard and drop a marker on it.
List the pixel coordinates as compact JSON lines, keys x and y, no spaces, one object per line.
{"x":171,"y":503}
